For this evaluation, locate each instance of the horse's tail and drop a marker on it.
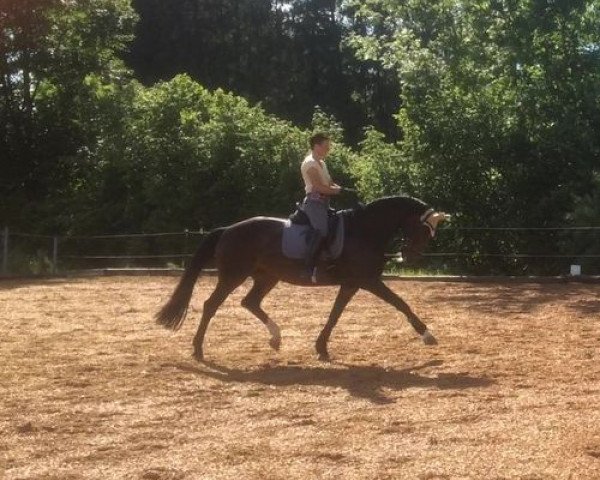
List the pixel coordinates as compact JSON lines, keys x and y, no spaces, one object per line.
{"x":173,"y":313}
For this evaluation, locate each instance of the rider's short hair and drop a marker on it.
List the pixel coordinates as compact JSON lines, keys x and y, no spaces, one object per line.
{"x":318,"y":138}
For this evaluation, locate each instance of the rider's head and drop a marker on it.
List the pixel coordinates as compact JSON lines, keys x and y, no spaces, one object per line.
{"x":320,"y":143}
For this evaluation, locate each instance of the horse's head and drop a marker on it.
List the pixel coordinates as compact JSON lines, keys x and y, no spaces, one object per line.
{"x":418,"y":231}
{"x":382,"y":218}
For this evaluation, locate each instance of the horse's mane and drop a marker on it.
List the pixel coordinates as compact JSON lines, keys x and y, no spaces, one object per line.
{"x":383,"y":212}
{"x":409,"y":204}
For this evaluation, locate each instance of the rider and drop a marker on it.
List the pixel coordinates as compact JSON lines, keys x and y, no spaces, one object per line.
{"x":319,"y":187}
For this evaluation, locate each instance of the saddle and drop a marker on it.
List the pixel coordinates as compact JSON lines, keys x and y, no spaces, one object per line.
{"x":297,"y":228}
{"x":299,"y":217}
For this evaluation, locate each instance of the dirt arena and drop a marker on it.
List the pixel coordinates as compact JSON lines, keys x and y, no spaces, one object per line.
{"x":92,"y":388}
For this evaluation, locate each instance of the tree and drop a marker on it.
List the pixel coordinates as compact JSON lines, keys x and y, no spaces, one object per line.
{"x":499,"y":101}
{"x":189,"y":157}
{"x":56,"y":57}
{"x":23,"y":26}
{"x":289,"y":56}
{"x":499,"y":108}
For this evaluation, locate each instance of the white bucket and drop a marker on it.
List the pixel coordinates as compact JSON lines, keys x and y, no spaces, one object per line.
{"x":575,"y":270}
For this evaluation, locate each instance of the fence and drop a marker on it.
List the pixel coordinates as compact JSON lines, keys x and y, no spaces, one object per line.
{"x":516,"y":250}
{"x":474,"y":250}
{"x":41,"y":254}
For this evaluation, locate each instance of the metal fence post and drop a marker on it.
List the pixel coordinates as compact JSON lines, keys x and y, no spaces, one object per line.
{"x":54,"y":254}
{"x":5,"y":251}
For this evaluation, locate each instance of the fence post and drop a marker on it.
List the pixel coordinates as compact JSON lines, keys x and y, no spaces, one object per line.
{"x":185,"y":248}
{"x":5,"y":251}
{"x":54,"y":254}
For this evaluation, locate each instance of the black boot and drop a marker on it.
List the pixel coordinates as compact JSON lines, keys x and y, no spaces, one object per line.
{"x":315,"y":241}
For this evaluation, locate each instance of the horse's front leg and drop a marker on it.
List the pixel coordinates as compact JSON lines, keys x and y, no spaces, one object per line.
{"x":344,"y":295}
{"x":381,"y":290}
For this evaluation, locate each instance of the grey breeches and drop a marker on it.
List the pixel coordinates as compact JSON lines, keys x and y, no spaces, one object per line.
{"x":317,"y":214}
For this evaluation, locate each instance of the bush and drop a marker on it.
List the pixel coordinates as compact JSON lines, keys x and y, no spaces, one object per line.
{"x":186,"y":157}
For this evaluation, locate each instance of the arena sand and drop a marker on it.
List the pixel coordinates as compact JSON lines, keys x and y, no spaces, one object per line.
{"x":92,"y":388}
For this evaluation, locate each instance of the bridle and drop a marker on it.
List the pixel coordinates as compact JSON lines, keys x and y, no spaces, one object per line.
{"x":425,"y":221}
{"x":429,"y":219}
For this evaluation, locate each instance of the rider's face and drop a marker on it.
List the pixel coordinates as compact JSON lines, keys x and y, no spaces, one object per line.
{"x":322,"y":149}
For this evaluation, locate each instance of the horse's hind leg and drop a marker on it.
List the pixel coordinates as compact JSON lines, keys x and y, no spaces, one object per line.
{"x":224,"y":287}
{"x":262,"y":286}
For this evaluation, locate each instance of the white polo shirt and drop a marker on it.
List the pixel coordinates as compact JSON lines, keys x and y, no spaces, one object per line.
{"x":319,"y":166}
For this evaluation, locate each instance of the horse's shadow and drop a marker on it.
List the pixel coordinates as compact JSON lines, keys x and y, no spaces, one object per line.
{"x":359,"y":381}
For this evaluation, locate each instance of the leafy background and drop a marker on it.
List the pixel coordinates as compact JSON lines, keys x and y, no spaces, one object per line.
{"x":146,"y":116}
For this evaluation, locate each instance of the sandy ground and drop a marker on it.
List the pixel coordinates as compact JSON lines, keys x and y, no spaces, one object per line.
{"x":92,"y":388}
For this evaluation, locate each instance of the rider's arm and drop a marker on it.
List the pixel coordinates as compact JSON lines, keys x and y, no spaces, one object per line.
{"x":318,"y":184}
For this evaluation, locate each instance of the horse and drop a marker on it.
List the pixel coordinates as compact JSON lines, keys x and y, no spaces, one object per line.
{"x":253,"y":248}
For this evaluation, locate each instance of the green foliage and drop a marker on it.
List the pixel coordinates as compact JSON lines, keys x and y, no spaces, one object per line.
{"x":288,"y":55}
{"x":496,"y":109}
{"x":497,"y":104}
{"x":586,"y":213}
{"x":186,"y":157}
{"x":500,"y":107}
{"x":50,"y":51}
{"x":383,"y":169}
{"x":29,"y":263}
{"x":98,"y":152}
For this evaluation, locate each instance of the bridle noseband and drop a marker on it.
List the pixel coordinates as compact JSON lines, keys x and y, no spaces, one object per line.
{"x":424,"y":221}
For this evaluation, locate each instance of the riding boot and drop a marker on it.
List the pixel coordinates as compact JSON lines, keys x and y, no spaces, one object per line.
{"x":313,"y":248}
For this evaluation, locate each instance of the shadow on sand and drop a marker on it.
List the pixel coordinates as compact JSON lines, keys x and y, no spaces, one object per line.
{"x":14,"y":283}
{"x":519,"y":298}
{"x":359,"y":381}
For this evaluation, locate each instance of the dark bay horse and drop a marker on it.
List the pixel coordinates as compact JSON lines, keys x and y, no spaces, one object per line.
{"x":252,"y":248}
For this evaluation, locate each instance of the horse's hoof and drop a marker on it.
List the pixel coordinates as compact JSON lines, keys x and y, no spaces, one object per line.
{"x":275,"y":343}
{"x":324,"y":357}
{"x":428,"y":338}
